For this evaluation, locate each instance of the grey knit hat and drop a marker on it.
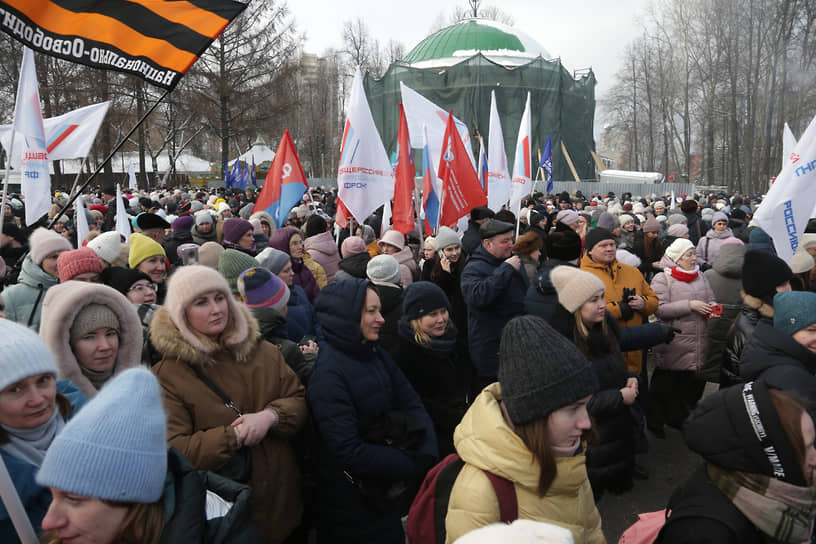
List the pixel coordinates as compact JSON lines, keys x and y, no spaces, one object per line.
{"x":92,"y":317}
{"x":383,"y":268}
{"x":446,"y":237}
{"x":534,"y":381}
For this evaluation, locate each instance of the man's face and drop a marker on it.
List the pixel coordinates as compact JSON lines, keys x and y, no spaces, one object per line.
{"x":500,"y":246}
{"x":603,"y":252}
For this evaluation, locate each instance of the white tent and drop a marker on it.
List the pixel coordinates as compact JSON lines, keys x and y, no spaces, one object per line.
{"x":259,"y":150}
{"x":186,"y":163}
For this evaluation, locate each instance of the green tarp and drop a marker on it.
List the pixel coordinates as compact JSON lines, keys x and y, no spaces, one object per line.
{"x":561,"y":106}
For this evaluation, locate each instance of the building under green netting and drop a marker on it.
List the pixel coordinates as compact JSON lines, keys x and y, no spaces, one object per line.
{"x":458,"y":66}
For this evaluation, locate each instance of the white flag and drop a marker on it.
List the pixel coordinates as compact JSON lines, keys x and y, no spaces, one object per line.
{"x":81,"y":220}
{"x":498,"y":175}
{"x":788,"y":143}
{"x":522,"y":179}
{"x":365,"y":179}
{"x":122,"y":218}
{"x":132,"y":177}
{"x":785,"y":211}
{"x":673,"y":201}
{"x":36,"y":181}
{"x":419,"y":112}
{"x":385,"y":225}
{"x":67,"y":136}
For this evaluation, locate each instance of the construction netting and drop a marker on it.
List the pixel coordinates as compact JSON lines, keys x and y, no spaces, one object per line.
{"x":562,"y":107}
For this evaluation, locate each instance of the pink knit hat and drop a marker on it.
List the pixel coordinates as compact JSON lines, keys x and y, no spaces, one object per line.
{"x":393,"y":238}
{"x":43,"y":242}
{"x":352,"y":246}
{"x":78,"y":261}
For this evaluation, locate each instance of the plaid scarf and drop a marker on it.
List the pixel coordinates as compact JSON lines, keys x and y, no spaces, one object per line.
{"x":782,"y":511}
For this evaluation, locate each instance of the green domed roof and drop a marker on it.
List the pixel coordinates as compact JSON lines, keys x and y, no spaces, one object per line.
{"x":466,"y":38}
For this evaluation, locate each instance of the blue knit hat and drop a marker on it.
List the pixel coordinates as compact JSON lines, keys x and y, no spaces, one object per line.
{"x":794,"y":310}
{"x":22,"y":354}
{"x":115,"y":448}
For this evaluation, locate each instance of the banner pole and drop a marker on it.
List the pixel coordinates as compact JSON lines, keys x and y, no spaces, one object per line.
{"x":107,"y":159}
{"x":10,"y":152}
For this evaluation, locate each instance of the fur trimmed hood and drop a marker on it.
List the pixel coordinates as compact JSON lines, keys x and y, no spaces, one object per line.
{"x":61,"y":306}
{"x":172,"y":343}
{"x":764,"y":309}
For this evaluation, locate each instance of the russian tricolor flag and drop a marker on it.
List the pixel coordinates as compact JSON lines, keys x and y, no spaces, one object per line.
{"x":431,"y":187}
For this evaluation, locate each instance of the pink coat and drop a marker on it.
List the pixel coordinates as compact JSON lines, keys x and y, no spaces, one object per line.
{"x":688,"y":349}
{"x":323,"y":250}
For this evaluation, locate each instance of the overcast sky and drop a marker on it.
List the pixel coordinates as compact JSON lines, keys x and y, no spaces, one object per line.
{"x":583,"y":33}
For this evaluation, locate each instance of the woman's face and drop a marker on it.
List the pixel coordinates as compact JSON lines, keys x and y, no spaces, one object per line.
{"x":287,"y":274}
{"x":594,"y":310}
{"x":809,"y":437}
{"x":97,"y":349}
{"x":296,"y":246}
{"x":688,"y":260}
{"x":266,"y":229}
{"x":650,"y":235}
{"x":427,"y":252}
{"x":435,"y":323}
{"x":49,"y":264}
{"x":153,"y":267}
{"x":142,"y":292}
{"x":566,"y":426}
{"x":629,"y":226}
{"x":388,"y":249}
{"x":29,"y":402}
{"x":247,"y":240}
{"x":452,"y":252}
{"x":208,"y":313}
{"x":807,"y":337}
{"x":372,"y":320}
{"x":77,"y":519}
{"x":205,"y":227}
{"x":720,"y":226}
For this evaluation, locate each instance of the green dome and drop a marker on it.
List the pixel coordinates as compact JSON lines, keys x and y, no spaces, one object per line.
{"x":497,"y":41}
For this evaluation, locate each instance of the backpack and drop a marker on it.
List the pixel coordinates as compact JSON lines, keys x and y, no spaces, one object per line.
{"x":426,"y":517}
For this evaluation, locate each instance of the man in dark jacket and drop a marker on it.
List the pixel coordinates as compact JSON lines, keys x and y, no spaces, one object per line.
{"x":471,"y":238}
{"x":493,"y":286}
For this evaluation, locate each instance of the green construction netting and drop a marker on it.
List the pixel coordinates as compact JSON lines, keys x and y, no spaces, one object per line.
{"x":561,"y":106}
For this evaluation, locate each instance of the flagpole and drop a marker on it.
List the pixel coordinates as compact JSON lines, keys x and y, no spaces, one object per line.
{"x":10,"y":152}
{"x":102,"y":165}
{"x":76,"y":179}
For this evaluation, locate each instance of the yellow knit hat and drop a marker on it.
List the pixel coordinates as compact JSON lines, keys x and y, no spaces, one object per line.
{"x":141,"y":248}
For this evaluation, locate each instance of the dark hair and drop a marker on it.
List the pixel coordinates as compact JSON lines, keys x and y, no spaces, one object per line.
{"x":536,"y":437}
{"x":592,"y":340}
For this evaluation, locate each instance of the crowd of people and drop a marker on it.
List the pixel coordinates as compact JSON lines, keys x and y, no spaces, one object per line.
{"x":211,"y":376}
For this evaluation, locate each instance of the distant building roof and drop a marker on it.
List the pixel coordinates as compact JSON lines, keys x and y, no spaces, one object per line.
{"x":259,"y":150}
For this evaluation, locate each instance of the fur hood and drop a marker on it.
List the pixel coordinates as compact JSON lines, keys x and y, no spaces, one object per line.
{"x":173,"y":344}
{"x":764,"y":309}
{"x":63,"y":303}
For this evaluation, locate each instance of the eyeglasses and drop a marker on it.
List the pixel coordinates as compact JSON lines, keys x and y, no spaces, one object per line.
{"x":141,"y":287}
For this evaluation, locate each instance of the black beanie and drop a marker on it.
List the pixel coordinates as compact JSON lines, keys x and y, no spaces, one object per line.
{"x":762,"y":273}
{"x":564,"y":245}
{"x":315,"y":225}
{"x":121,"y":278}
{"x":540,"y":370}
{"x":421,"y":298}
{"x":598,"y":234}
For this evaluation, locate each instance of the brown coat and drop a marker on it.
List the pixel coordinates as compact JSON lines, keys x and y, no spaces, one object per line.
{"x":253,"y":374}
{"x":616,"y":276}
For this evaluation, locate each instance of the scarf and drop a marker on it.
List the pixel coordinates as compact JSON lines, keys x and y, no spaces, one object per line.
{"x":30,"y":445}
{"x":686,"y":276}
{"x":782,"y":511}
{"x":441,"y":344}
{"x":97,"y":377}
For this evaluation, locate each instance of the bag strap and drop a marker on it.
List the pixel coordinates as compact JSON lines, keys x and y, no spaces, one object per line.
{"x":506,"y":494}
{"x":705,"y":256}
{"x":227,"y":402}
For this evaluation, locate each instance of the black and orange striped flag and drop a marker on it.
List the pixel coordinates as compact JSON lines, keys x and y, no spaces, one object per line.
{"x":156,"y":39}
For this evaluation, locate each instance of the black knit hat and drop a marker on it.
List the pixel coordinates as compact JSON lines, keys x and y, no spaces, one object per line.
{"x":121,"y":278}
{"x":596,"y":235}
{"x":481,"y":212}
{"x":421,"y":298}
{"x":315,"y":225}
{"x":762,"y":273}
{"x":564,"y":245}
{"x":540,"y":370}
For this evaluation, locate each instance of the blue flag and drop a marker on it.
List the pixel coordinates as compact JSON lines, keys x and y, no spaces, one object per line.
{"x":254,"y":179}
{"x":234,"y":175}
{"x":546,"y":164}
{"x":243,"y":176}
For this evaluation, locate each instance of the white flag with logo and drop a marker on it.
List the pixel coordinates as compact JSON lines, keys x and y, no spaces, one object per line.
{"x":365,"y":179}
{"x":522,"y":182}
{"x":122,"y":218}
{"x":785,"y":211}
{"x":788,"y":143}
{"x":67,"y":136}
{"x":132,"y":177}
{"x":81,"y":220}
{"x":419,"y":112}
{"x":498,"y":175}
{"x":35,"y":179}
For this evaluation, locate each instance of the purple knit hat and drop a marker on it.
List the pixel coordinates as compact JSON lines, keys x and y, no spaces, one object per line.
{"x":234,"y":228}
{"x":260,"y":288}
{"x":183,"y":223}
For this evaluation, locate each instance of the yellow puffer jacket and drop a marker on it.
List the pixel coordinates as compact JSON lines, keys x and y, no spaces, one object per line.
{"x":485,"y":442}
{"x":316,"y":270}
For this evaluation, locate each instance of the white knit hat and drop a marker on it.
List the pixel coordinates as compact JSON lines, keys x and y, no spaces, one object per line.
{"x":43,"y":242}
{"x":802,"y":262}
{"x":384,"y":269}
{"x":574,"y":286}
{"x":678,"y":248}
{"x":22,"y":354}
{"x":107,"y":245}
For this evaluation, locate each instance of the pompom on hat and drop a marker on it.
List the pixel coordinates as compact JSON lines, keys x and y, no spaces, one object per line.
{"x":574,"y":286}
{"x":44,"y":242}
{"x":260,"y":288}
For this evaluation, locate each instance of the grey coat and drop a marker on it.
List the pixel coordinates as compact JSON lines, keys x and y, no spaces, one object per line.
{"x":725,"y":279}
{"x":688,"y":349}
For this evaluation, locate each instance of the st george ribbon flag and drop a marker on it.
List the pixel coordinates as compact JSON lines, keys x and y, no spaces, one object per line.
{"x":157,"y":41}
{"x":785,"y":211}
{"x":498,"y":174}
{"x":404,"y":173}
{"x":522,"y":182}
{"x":28,"y":121}
{"x":461,"y":191}
{"x":67,"y":136}
{"x":284,"y":184}
{"x":365,"y":179}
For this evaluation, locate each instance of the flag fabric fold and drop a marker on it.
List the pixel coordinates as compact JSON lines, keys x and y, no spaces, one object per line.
{"x":498,"y":175}
{"x":403,"y":211}
{"x":461,"y":191}
{"x":132,"y":184}
{"x":284,"y":184}
{"x":122,"y":219}
{"x":522,"y":181}
{"x":431,"y":187}
{"x":482,"y":162}
{"x":81,"y":220}
{"x":365,"y":179}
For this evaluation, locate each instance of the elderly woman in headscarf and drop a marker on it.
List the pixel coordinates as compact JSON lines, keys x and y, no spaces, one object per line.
{"x":290,"y":241}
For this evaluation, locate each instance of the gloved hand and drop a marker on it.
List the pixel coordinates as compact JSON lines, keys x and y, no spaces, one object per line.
{"x":669,"y":332}
{"x":626,"y":312}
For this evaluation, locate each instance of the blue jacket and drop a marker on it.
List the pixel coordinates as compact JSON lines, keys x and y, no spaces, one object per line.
{"x":300,"y":315}
{"x":494,"y":293}
{"x":35,"y":499}
{"x":353,"y":382}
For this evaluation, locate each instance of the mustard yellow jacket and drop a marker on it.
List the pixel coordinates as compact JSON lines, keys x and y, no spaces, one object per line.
{"x":485,"y":442}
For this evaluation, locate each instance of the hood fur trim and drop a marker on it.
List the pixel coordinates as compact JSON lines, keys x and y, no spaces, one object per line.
{"x":764,"y":309}
{"x":172,"y":344}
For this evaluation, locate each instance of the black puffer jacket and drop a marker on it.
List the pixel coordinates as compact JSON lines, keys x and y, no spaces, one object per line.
{"x":391,"y":300}
{"x":171,"y":245}
{"x":542,"y":298}
{"x":753,"y":311}
{"x":610,"y":460}
{"x":450,"y":283}
{"x":353,"y":266}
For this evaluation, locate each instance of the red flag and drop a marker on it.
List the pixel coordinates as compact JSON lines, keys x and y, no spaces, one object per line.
{"x":461,"y":190}
{"x":285,"y":183}
{"x":402,"y":214}
{"x":342,"y":214}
